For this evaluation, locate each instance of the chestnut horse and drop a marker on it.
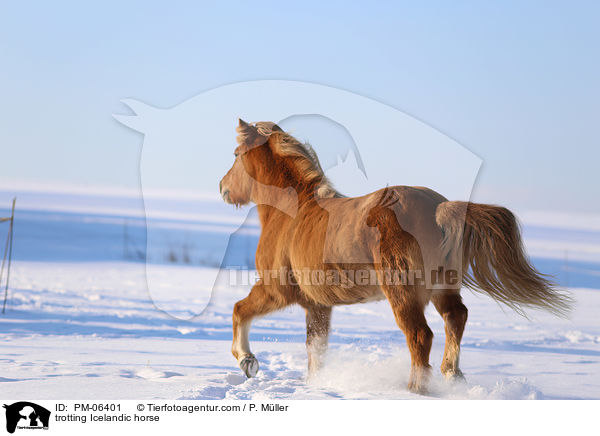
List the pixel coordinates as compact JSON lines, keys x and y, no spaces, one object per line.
{"x":396,"y":229}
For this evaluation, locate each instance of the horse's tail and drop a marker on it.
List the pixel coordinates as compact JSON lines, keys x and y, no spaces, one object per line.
{"x":493,"y":257}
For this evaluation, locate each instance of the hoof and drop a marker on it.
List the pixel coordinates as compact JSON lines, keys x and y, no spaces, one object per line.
{"x":419,"y":380}
{"x":455,"y":376}
{"x":417,"y":388}
{"x":249,"y":365}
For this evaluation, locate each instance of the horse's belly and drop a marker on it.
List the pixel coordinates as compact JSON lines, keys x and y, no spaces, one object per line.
{"x":341,"y":293}
{"x":364,"y":296}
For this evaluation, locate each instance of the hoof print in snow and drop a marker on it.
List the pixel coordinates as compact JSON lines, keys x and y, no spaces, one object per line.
{"x":249,"y":365}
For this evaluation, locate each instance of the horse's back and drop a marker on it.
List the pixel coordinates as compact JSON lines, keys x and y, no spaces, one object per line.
{"x":340,"y":229}
{"x":338,"y":233}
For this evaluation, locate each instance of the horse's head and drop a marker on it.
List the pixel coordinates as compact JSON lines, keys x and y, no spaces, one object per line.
{"x":268,"y":163}
{"x":238,"y":184}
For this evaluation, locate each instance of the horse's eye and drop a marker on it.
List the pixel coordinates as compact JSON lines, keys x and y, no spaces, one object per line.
{"x":235,"y":153}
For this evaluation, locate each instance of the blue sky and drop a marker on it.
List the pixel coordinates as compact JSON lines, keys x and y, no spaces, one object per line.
{"x":514,"y":82}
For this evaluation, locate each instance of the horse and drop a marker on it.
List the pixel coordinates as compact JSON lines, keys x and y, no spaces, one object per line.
{"x":390,"y":240}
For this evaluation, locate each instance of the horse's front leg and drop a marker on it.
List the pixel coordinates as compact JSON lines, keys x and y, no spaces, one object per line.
{"x":258,"y":302}
{"x":318,"y":320}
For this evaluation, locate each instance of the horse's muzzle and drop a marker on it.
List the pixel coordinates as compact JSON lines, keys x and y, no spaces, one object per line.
{"x":224,"y":195}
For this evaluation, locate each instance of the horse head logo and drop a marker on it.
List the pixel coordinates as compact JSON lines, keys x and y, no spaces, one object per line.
{"x":26,"y":414}
{"x":191,"y":145}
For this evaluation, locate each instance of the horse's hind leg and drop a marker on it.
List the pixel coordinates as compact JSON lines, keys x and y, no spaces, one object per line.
{"x":318,"y":320}
{"x":408,"y":304}
{"x":257,"y":303}
{"x":450,"y":306}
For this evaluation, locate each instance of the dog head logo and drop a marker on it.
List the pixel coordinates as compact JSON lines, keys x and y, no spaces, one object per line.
{"x":26,"y":415}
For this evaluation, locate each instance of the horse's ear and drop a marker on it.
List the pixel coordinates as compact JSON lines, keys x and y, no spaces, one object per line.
{"x":245,"y":128}
{"x":276,"y":128}
{"x":247,"y":134}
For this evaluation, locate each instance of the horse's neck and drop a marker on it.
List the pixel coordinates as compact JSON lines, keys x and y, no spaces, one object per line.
{"x":269,"y":215}
{"x":273,"y":200}
{"x":273,"y":209}
{"x":271,"y":212}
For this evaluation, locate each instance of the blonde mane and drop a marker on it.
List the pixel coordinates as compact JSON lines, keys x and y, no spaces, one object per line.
{"x":303,"y":156}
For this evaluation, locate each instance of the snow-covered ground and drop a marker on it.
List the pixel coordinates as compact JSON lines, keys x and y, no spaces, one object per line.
{"x":81,"y":323}
{"x":89,"y":330}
